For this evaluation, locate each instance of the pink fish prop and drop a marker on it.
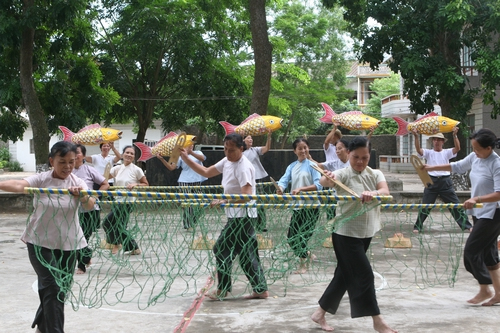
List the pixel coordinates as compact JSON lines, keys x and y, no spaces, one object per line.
{"x":255,"y":124}
{"x":353,"y":120}
{"x":164,"y":147}
{"x":91,"y":135}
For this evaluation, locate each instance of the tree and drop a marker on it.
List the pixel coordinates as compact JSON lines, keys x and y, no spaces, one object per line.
{"x":48,"y":69}
{"x":310,"y":65}
{"x":382,"y":88}
{"x":425,"y":40}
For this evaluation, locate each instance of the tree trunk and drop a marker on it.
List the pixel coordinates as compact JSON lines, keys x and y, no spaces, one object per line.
{"x":262,"y":55}
{"x":33,"y":107}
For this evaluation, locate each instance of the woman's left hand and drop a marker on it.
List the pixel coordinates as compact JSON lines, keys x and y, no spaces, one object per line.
{"x":469,"y":204}
{"x":75,"y":190}
{"x":296,"y":191}
{"x":130,"y":186}
{"x":217,"y":202}
{"x":367,"y":196}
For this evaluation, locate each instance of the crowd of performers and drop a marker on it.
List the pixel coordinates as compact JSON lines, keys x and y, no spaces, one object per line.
{"x":66,"y":245}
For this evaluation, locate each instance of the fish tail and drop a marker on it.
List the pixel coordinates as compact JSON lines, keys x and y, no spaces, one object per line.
{"x":68,"y":135}
{"x":229,"y":128}
{"x":145,"y":151}
{"x":402,"y":126}
{"x":329,"y":113}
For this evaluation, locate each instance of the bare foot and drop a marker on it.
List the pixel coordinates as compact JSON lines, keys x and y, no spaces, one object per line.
{"x":481,"y":296}
{"x":135,"y":252}
{"x":115,"y":249}
{"x":312,"y":256}
{"x":301,"y":270}
{"x":218,"y":295}
{"x":416,"y":232}
{"x":381,"y":326}
{"x":494,"y":300}
{"x":80,"y":271}
{"x":254,"y":295}
{"x":319,"y":318}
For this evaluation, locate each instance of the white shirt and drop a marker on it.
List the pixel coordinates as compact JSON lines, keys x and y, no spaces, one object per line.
{"x":235,"y":175}
{"x":437,"y":158}
{"x":330,"y":153}
{"x":125,"y":175}
{"x":253,"y":154}
{"x":99,"y":162}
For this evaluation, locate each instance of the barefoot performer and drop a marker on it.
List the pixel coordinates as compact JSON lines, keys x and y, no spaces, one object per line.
{"x":238,"y":236}
{"x":481,"y":249}
{"x":351,"y":240}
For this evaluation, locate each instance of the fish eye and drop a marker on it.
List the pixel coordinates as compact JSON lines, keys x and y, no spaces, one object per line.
{"x":444,"y":122}
{"x":367,"y":118}
{"x":271,"y":122}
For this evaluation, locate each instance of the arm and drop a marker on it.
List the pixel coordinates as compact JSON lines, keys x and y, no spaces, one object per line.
{"x":209,"y":172}
{"x":142,"y":182}
{"x":198,"y":155}
{"x":104,"y":185}
{"x":419,"y":149}
{"x":304,"y":189}
{"x":118,"y":156}
{"x":267,"y":147}
{"x":169,"y":166}
{"x":329,"y":137}
{"x":88,"y":159}
{"x":442,"y":167}
{"x":456,"y":149}
{"x":14,"y":185}
{"x":325,"y":182}
{"x":382,"y":189}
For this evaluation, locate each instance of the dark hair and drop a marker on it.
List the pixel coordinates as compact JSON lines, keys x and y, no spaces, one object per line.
{"x":486,"y":138}
{"x":127,"y":147}
{"x":297,"y":141}
{"x":61,"y":148}
{"x":237,"y":139}
{"x":104,"y":143}
{"x":358,"y":142}
{"x":82,"y":149}
{"x":344,"y":142}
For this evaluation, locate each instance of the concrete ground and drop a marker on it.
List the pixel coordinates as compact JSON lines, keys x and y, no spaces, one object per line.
{"x":406,"y":307}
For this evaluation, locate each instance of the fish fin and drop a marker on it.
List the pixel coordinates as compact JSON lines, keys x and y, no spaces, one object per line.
{"x":229,"y":128}
{"x":145,"y":151}
{"x":432,"y":114}
{"x":89,"y":127}
{"x":352,"y":113}
{"x":402,"y":126}
{"x":250,"y":117}
{"x":329,"y":113}
{"x":168,"y":136}
{"x":67,"y":133}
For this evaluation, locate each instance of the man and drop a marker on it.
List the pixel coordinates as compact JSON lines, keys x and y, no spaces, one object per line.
{"x":443,"y":186}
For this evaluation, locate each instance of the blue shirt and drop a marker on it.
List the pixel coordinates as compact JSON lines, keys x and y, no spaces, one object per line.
{"x":301,"y":174}
{"x":188,"y":175}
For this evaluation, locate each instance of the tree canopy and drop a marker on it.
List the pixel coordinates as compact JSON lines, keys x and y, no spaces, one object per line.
{"x":427,"y":41}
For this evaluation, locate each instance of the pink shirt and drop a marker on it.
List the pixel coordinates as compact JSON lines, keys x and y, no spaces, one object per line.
{"x":54,"y":223}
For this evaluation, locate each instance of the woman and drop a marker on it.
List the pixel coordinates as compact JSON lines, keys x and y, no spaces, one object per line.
{"x":187,"y":179}
{"x":303,"y":178}
{"x":253,"y":154}
{"x":481,"y":251}
{"x":351,"y":240}
{"x":100,"y":161}
{"x":238,"y":236}
{"x":342,"y":151}
{"x":115,"y":224}
{"x":89,"y":219}
{"x":53,"y":234}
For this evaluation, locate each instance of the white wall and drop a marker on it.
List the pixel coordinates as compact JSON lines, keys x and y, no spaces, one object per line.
{"x":20,"y":150}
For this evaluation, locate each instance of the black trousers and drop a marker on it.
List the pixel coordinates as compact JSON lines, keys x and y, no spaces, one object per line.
{"x":301,"y":229}
{"x":190,"y":215}
{"x":238,"y":238}
{"x":89,"y":221}
{"x":353,"y":274}
{"x":481,"y":249}
{"x":115,"y":226}
{"x":261,"y":220}
{"x":443,"y":186}
{"x":50,"y":314}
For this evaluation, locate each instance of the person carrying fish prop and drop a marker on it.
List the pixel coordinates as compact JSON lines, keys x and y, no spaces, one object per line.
{"x":442,"y":184}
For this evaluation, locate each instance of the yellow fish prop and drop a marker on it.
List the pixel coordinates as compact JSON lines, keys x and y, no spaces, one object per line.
{"x":255,"y":124}
{"x":352,"y":120}
{"x":91,"y":135}
{"x":429,"y":124}
{"x":164,"y":147}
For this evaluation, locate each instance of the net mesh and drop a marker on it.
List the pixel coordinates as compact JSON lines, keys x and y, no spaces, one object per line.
{"x":175,"y":259}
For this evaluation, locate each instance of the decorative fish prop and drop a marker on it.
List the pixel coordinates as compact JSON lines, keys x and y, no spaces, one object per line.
{"x":255,"y":124}
{"x":353,"y":120}
{"x":429,"y":124}
{"x":164,"y":147}
{"x":91,"y":135}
